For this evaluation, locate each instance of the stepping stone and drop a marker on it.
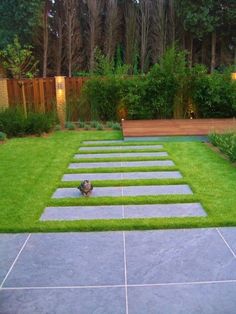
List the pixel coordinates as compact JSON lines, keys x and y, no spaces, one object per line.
{"x":103,"y":142}
{"x":126,"y":191}
{"x":151,"y":163}
{"x":113,"y":155}
{"x":119,"y":211}
{"x":121,"y":147}
{"x":120,"y":176}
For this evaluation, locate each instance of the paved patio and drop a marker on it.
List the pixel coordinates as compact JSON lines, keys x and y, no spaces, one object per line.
{"x":164,"y":271}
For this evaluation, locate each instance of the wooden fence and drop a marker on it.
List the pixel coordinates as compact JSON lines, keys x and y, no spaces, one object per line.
{"x":39,"y":94}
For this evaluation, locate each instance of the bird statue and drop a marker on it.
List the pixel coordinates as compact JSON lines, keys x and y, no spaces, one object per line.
{"x":85,"y":187}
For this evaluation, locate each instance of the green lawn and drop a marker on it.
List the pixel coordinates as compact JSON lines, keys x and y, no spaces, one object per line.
{"x":31,"y":170}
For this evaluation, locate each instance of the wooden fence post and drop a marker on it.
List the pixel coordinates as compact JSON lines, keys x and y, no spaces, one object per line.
{"x":61,"y":99}
{"x":4,"y":99}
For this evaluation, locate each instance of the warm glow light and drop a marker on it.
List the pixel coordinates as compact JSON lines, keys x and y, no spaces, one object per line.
{"x":233,"y":75}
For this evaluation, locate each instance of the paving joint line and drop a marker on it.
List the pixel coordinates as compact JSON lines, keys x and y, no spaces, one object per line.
{"x":122,"y":286}
{"x":226,"y":243}
{"x":15,"y":260}
{"x":125,"y":271}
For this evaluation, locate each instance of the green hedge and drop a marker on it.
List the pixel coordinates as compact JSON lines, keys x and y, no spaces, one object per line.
{"x":226,"y":143}
{"x":14,"y":123}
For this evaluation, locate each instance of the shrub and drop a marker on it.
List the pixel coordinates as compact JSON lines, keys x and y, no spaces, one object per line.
{"x":215,"y":96}
{"x":38,"y":123}
{"x":116,"y":126}
{"x":109,"y":124}
{"x":99,"y":127}
{"x":3,"y":136}
{"x":87,"y":127}
{"x":57,"y":127}
{"x":94,"y":124}
{"x":81,"y":124}
{"x":69,"y":125}
{"x":226,"y":143}
{"x":14,"y":123}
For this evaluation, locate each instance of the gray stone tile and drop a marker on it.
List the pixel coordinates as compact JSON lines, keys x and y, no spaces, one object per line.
{"x":10,"y":246}
{"x":125,"y":191}
{"x":151,"y":163}
{"x":123,"y":155}
{"x":183,"y":299}
{"x":82,"y":212}
{"x":156,"y":190}
{"x":152,"y":175}
{"x":137,"y":147}
{"x":70,"y":259}
{"x":164,"y":210}
{"x":63,"y":301}
{"x":117,"y":211}
{"x":229,"y":235}
{"x":103,"y":142}
{"x":97,"y":192}
{"x":91,"y":176}
{"x":123,"y":175}
{"x":175,"y":256}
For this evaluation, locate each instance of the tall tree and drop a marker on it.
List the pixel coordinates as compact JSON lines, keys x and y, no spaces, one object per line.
{"x":111,"y":27}
{"x":144,"y":21}
{"x":19,"y":18}
{"x":94,"y":20}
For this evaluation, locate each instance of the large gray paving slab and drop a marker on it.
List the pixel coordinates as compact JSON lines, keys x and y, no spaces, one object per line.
{"x":213,"y":298}
{"x":10,"y":246}
{"x":69,"y":259}
{"x":151,"y":163}
{"x":103,"y":142}
{"x":123,"y":155}
{"x":229,"y":235}
{"x":63,"y":301}
{"x":178,"y":256}
{"x":125,"y":211}
{"x":126,"y":191}
{"x":135,"y":147}
{"x":122,"y":175}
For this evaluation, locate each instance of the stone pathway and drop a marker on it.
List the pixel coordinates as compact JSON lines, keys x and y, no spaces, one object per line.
{"x":122,"y":212}
{"x":155,"y":272}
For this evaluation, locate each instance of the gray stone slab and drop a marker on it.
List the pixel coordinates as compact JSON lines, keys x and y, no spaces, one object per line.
{"x":178,"y":256}
{"x":70,"y":259}
{"x":82,"y":212}
{"x":63,"y":301}
{"x":214,"y":298}
{"x":229,"y":235}
{"x":136,"y":147}
{"x":10,"y":246}
{"x":103,"y":142}
{"x":118,"y":164}
{"x":125,"y":191}
{"x":164,"y":210}
{"x":123,"y":175}
{"x":123,"y":155}
{"x":119,"y":211}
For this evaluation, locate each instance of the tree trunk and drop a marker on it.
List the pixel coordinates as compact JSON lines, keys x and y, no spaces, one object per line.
{"x":191,"y":52}
{"x":213,"y":51}
{"x":59,"y":52}
{"x":45,"y":39}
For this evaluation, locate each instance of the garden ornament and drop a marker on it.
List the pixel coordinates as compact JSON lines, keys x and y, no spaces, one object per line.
{"x":85,"y":187}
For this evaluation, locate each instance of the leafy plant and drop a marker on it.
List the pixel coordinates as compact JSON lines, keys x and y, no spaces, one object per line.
{"x":99,"y":127}
{"x":18,"y":60}
{"x":116,"y":126}
{"x":14,"y":123}
{"x":87,"y":127}
{"x":215,"y":95}
{"x":70,"y":125}
{"x":3,"y":136}
{"x":226,"y":143}
{"x":81,"y":124}
{"x":94,"y":124}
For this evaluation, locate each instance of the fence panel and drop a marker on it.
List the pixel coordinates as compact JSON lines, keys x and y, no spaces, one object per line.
{"x":39,"y":94}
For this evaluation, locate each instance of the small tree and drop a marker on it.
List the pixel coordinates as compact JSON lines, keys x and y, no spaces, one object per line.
{"x":18,"y":60}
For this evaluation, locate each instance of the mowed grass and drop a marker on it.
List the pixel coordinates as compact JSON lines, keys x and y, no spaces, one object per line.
{"x":31,"y":169}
